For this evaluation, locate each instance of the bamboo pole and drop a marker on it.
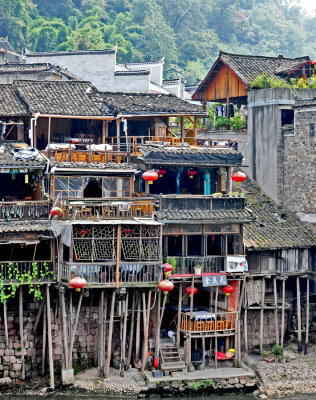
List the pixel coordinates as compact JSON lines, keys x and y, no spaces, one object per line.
{"x":64,"y":327}
{"x":145,"y":346}
{"x":299,"y":319}
{"x":21,"y":330}
{"x":283,"y":312}
{"x":109,"y":348}
{"x":307,"y":317}
{"x":50,"y":343}
{"x":179,"y":314}
{"x":276,"y":317}
{"x":44,"y":341}
{"x":130,"y":342}
{"x":261,"y":316}
{"x":137,"y":340}
{"x":5,"y":320}
{"x":72,"y":340}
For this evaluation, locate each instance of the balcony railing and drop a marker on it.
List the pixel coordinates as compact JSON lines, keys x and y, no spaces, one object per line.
{"x":220,"y":322}
{"x":105,"y":273}
{"x":201,"y":202}
{"x":22,"y":210}
{"x":211,"y":264}
{"x":28,"y":272}
{"x":108,"y":209}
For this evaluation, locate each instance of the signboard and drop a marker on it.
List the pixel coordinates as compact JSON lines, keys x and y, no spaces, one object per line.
{"x":214,"y":280}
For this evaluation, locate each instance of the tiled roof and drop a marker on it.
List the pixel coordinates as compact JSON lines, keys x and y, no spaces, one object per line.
{"x":25,"y":226}
{"x":151,"y":104}
{"x":72,"y":98}
{"x":202,"y":216}
{"x":5,"y":45}
{"x":190,"y":155}
{"x":273,"y":228}
{"x":247,"y":67}
{"x":69,"y":53}
{"x":12,"y":68}
{"x":8,"y":161}
{"x":306,"y":103}
{"x":10,"y":103}
{"x":83,"y":165}
{"x":129,"y":73}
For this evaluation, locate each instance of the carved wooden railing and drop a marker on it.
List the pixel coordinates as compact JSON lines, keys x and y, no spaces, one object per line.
{"x":221,"y":322}
{"x":22,"y":210}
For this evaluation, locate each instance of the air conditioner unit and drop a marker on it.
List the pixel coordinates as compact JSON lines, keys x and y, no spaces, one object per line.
{"x":236,"y":264}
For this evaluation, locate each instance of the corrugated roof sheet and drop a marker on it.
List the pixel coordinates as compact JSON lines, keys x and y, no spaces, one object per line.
{"x":273,"y":228}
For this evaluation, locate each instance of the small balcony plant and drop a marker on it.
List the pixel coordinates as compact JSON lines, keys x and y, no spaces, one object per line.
{"x":216,"y":195}
{"x":198,"y":269}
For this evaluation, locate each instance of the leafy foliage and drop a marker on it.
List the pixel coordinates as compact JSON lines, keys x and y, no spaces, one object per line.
{"x":188,"y":33}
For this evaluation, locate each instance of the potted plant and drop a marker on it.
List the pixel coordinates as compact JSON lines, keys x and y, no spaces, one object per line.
{"x":198,"y":269}
{"x":238,"y":122}
{"x":172,"y":261}
{"x":277,"y":352}
{"x":217,"y":194}
{"x":221,"y":122}
{"x":231,"y":194}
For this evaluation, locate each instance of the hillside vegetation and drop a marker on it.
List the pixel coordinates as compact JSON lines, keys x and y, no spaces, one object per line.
{"x":189,"y":33}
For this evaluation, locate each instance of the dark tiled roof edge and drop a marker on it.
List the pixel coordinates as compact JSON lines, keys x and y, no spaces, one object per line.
{"x":130,"y":73}
{"x":69,"y":53}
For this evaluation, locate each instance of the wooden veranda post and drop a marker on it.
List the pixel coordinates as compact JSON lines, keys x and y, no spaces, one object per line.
{"x":299,"y":317}
{"x":307,"y":316}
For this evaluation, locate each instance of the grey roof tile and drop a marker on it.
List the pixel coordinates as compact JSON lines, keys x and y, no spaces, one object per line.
{"x":203,"y":216}
{"x":25,"y":226}
{"x":273,"y":227}
{"x":11,"y":104}
{"x":103,"y":166}
{"x":8,"y":161}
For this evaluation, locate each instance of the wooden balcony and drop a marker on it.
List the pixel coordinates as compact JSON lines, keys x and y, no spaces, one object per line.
{"x":209,"y":324}
{"x":96,"y":210}
{"x":22,"y":210}
{"x":201,"y":202}
{"x":210,"y":264}
{"x":104,"y":274}
{"x":32,"y":272}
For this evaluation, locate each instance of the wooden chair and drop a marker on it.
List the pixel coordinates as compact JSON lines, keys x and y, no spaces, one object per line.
{"x":229,"y":324}
{"x":199,"y":326}
{"x":210,"y":325}
{"x":98,"y":157}
{"x":220,"y":325}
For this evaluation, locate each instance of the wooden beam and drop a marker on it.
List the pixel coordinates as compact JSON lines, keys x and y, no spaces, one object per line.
{"x":109,"y":348}
{"x":50,"y":342}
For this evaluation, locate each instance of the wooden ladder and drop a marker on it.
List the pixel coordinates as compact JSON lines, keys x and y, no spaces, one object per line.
{"x":171,"y":360}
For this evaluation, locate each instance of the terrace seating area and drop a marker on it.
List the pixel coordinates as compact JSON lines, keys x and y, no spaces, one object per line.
{"x":205,"y":322}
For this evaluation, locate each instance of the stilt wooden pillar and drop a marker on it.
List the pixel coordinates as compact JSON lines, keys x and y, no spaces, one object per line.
{"x":21,"y":330}
{"x":50,"y":343}
{"x":137,"y":339}
{"x":145,"y":346}
{"x":190,"y":324}
{"x":5,"y":321}
{"x":283,"y":312}
{"x":64,"y":328}
{"x":299,"y":315}
{"x":131,"y":333}
{"x":44,"y":341}
{"x":215,"y":309}
{"x":123,"y":346}
{"x":109,"y":348}
{"x":179,"y":315}
{"x":307,"y":317}
{"x":72,"y":339}
{"x":261,"y":316}
{"x":276,"y":314}
{"x":101,"y":335}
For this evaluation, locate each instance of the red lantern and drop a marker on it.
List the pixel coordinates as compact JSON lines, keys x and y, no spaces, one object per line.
{"x":228,"y":290}
{"x":313,"y":62}
{"x":239,"y":177}
{"x":161,"y":172}
{"x":56,"y":211}
{"x":167,"y":268}
{"x":150,"y":176}
{"x":156,"y":363}
{"x":165,"y":286}
{"x":189,"y":291}
{"x":191,"y":173}
{"x":77,"y":283}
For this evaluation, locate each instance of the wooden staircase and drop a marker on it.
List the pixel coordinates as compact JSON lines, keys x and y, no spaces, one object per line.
{"x":171,"y":360}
